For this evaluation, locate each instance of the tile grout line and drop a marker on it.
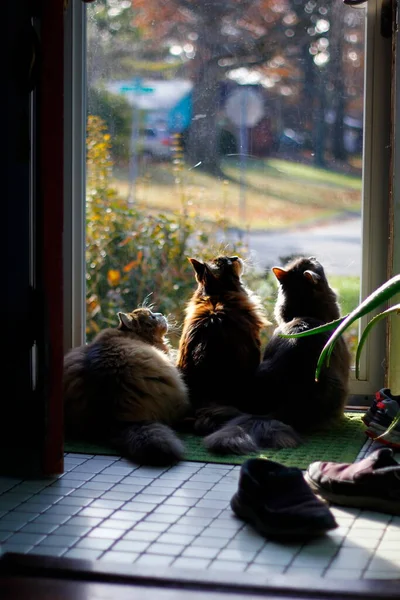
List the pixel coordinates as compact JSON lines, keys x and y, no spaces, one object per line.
{"x":90,"y":476}
{"x":205,"y":527}
{"x":127,"y":501}
{"x":212,"y":521}
{"x":335,"y":554}
{"x":340,"y":546}
{"x":145,"y":515}
{"x":174,"y":558}
{"x":257,"y":553}
{"x":371,"y":558}
{"x":51,"y":482}
{"x":285,"y":570}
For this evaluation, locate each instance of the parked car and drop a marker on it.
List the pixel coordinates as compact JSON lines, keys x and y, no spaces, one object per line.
{"x":291,"y":140}
{"x":154,"y":144}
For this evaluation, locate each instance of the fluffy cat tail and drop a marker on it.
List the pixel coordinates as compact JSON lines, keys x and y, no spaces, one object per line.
{"x":149,"y":443}
{"x":248,"y":433}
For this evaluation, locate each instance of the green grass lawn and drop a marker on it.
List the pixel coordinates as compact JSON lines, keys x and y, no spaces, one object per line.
{"x":308,"y":173}
{"x":348,"y":290}
{"x":272,"y":194}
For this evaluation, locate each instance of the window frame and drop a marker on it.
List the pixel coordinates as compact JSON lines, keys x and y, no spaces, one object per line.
{"x":75,"y":109}
{"x":393,"y":326}
{"x":375,"y":206}
{"x":375,"y":202}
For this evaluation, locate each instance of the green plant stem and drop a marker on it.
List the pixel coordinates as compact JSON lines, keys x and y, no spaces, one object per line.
{"x":379,"y":296}
{"x":320,"y":329}
{"x":390,"y":428}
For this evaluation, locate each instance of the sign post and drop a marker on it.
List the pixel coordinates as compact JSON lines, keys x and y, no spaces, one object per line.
{"x":245,"y":108}
{"x":137,"y":89}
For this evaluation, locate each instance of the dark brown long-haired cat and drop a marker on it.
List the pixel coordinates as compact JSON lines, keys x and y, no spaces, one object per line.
{"x":286,"y":377}
{"x":123,"y":388}
{"x":219,"y":353}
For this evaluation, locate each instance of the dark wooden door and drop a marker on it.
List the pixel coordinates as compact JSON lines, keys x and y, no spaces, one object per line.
{"x":31,"y":420}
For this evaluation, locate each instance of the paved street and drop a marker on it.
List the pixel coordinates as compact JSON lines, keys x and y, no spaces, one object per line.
{"x":337,"y":246}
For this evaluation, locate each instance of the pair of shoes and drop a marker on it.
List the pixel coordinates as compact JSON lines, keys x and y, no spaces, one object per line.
{"x":372,"y":483}
{"x":380,"y":415}
{"x":277,"y":501}
{"x":280,"y":503}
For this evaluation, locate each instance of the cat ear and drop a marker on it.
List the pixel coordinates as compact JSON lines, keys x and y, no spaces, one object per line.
{"x":198,"y":266}
{"x":312,"y":276}
{"x":125,"y":320}
{"x":279,"y":273}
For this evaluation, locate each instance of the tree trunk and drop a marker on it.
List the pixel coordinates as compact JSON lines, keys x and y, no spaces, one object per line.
{"x":338,"y":149}
{"x":339,"y":91}
{"x":319,"y":122}
{"x":309,"y":87}
{"x":203,"y":135}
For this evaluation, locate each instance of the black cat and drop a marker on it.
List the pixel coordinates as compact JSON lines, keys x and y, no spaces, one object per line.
{"x":285,"y":391}
{"x":286,"y":376}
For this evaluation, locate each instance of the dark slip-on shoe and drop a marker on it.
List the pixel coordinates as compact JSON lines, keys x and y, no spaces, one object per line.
{"x":278,"y":503}
{"x":372,"y":483}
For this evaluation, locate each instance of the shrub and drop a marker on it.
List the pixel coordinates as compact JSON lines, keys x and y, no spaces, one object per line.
{"x":116,"y":113}
{"x":131,"y":255}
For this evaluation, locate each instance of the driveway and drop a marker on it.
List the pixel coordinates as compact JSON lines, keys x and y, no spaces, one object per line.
{"x":336,"y":245}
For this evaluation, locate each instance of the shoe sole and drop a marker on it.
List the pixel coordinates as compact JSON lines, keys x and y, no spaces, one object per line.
{"x":366,"y":420}
{"x":374,"y":430}
{"x":377,"y":504}
{"x":271,"y":532}
{"x":373,"y":435}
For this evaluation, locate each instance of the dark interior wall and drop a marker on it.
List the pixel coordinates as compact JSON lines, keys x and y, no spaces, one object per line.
{"x":31,"y":407}
{"x":17,"y":415}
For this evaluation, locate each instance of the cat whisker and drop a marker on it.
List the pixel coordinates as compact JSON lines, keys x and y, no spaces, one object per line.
{"x":173,"y":325}
{"x":146,"y":304}
{"x":248,"y":261}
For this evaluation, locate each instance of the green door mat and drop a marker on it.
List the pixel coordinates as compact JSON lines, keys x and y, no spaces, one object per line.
{"x":341,"y":443}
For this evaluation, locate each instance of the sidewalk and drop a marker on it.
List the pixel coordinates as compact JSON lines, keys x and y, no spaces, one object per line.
{"x":336,"y":245}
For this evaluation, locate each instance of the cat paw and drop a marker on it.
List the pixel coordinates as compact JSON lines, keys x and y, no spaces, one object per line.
{"x":208,"y":420}
{"x":275,"y":434}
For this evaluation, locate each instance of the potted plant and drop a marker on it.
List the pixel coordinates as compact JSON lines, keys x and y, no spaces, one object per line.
{"x":380,"y":296}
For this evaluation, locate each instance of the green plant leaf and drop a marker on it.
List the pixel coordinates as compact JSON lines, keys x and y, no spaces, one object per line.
{"x":382,"y":294}
{"x":390,"y":428}
{"x":376,"y":319}
{"x":320,"y":329}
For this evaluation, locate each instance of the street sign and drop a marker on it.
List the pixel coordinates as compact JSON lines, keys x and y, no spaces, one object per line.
{"x":136,"y":86}
{"x":245,"y":107}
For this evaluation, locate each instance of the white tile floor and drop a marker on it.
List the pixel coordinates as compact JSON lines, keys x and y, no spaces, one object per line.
{"x":105,"y":508}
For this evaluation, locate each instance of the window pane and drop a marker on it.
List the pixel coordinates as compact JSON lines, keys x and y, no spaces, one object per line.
{"x":214,"y":124}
